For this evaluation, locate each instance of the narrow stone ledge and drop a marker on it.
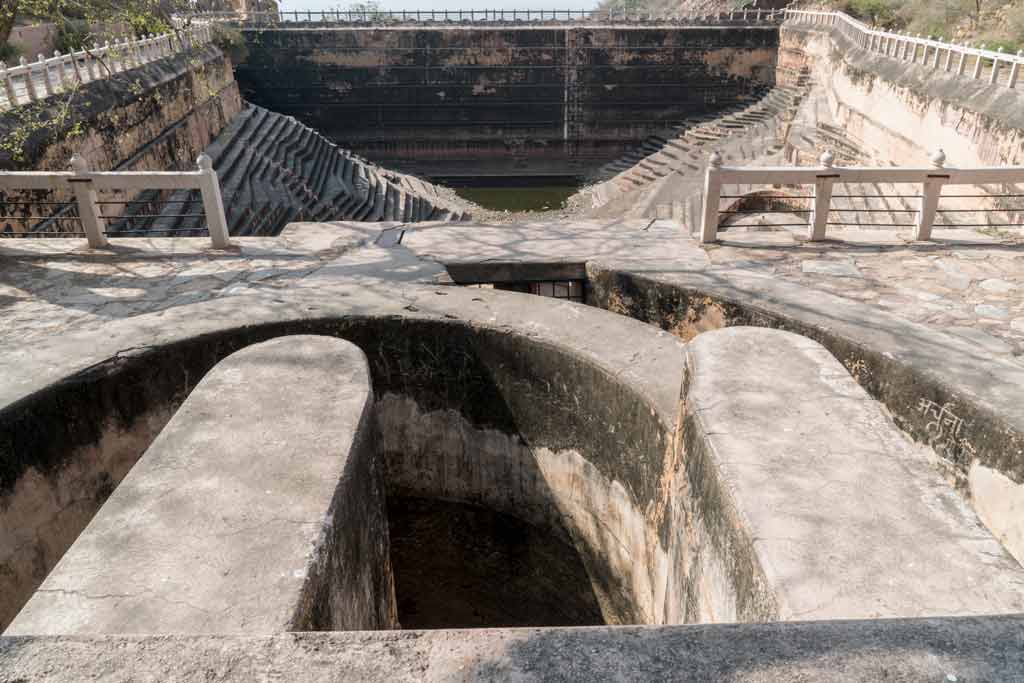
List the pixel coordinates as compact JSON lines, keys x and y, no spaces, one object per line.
{"x":813,"y":504}
{"x":950,"y":649}
{"x":258,"y":509}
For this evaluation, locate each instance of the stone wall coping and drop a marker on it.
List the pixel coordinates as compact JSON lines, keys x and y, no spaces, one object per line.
{"x":847,"y":518}
{"x":942,"y":649}
{"x":229,"y":513}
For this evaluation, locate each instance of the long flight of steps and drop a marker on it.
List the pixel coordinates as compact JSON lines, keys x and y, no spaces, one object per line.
{"x":274,"y":170}
{"x":737,"y":133}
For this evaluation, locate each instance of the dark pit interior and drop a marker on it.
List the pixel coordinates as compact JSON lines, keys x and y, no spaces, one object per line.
{"x":465,"y":566}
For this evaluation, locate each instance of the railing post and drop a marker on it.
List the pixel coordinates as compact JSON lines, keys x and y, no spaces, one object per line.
{"x":996,"y":63}
{"x":12,"y":97}
{"x":30,"y":85}
{"x":94,"y":63}
{"x":712,"y":197}
{"x":88,"y":210}
{"x":930,"y":193}
{"x":1015,"y":70}
{"x":979,"y":64}
{"x":46,"y":74}
{"x":213,"y":204}
{"x":822,"y":198}
{"x":63,"y":73}
{"x":961,"y":67}
{"x":79,"y":78}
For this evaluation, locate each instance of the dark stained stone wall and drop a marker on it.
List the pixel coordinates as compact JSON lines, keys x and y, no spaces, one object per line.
{"x":504,"y":100}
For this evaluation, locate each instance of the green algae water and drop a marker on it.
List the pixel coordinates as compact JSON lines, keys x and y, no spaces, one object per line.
{"x":514,"y":194}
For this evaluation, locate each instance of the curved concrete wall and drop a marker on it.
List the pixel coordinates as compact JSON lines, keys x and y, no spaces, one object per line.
{"x":520,"y":413}
{"x":581,"y":423}
{"x":258,"y":509}
{"x":916,"y":372}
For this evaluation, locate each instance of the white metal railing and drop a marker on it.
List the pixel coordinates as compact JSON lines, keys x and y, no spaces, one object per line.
{"x":30,"y":82}
{"x":287,"y":18}
{"x":84,"y":184}
{"x":995,"y":66}
{"x":822,"y":179}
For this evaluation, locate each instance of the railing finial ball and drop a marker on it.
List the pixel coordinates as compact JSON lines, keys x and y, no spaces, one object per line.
{"x":827,"y":159}
{"x":715,"y":160}
{"x":79,"y":164}
{"x":204,"y":162}
{"x":938,"y":159}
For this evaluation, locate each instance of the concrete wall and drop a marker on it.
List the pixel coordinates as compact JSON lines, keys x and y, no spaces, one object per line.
{"x":551,"y":429}
{"x":505,"y":101}
{"x":590,"y":476}
{"x":903,"y":370}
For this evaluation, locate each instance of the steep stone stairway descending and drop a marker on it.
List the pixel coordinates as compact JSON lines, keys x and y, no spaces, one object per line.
{"x":274,"y":170}
{"x":743,"y":134}
{"x":633,"y":160}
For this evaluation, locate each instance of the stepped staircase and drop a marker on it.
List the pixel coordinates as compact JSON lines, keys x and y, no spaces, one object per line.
{"x":741,"y":134}
{"x":274,"y":170}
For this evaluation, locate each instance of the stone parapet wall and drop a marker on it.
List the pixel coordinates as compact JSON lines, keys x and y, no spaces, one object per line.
{"x":903,"y":112}
{"x":156,"y":117}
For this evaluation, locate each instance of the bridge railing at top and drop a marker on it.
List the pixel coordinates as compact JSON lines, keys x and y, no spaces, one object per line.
{"x":977,"y":63}
{"x":820,"y":181}
{"x":297,"y":18}
{"x":33,"y":81}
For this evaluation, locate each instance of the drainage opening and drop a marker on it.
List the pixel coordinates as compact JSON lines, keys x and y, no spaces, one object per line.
{"x":463,"y":566}
{"x":570,"y":290}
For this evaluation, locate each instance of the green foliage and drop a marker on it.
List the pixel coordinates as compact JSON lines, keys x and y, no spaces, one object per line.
{"x":9,"y":53}
{"x":231,"y":42}
{"x":1010,"y":46}
{"x":72,"y":35}
{"x":881,"y":12}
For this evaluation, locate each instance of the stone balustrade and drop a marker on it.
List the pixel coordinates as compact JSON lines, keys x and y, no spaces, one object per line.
{"x":964,"y":60}
{"x":744,"y":17}
{"x":821,"y":180}
{"x":84,"y":185}
{"x":33,"y":81}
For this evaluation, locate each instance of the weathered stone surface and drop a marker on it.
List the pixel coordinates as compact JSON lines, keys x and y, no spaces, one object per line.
{"x":158,"y":116}
{"x":258,"y":509}
{"x":502,"y":100}
{"x":898,"y":650}
{"x":815,"y":501}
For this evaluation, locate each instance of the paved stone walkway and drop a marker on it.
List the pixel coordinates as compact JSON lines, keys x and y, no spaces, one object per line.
{"x":964,"y":283}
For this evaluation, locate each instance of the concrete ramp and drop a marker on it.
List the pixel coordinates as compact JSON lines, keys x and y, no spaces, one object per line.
{"x":258,"y":509}
{"x":814,"y":504}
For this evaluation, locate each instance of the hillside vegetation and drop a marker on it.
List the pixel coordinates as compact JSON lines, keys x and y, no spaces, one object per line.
{"x":996,"y":23}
